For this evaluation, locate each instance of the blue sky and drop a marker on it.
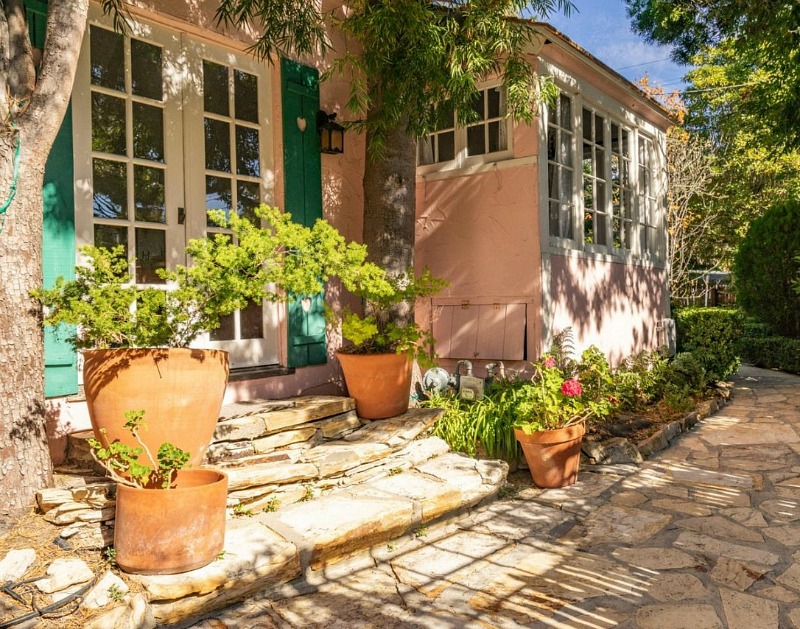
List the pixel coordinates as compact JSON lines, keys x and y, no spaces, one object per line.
{"x":603,"y":28}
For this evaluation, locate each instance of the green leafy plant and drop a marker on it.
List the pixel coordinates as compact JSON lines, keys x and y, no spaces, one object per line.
{"x":110,"y":555}
{"x":115,"y":593}
{"x":379,"y":329}
{"x":712,"y":336}
{"x":122,"y":461}
{"x":242,"y":510}
{"x":102,"y":307}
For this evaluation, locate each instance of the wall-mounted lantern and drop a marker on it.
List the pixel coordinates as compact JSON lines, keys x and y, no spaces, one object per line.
{"x":331,"y":133}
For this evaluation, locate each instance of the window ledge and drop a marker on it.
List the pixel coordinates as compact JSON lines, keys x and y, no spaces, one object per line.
{"x":261,"y":371}
{"x":489,"y":165}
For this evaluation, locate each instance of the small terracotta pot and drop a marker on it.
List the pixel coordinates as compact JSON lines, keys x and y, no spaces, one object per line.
{"x":553,"y":456}
{"x":379,"y":383}
{"x":166,"y":531}
{"x":179,"y":389}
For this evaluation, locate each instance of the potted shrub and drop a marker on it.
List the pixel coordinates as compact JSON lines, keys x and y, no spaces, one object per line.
{"x":551,"y":415}
{"x":168,"y":519}
{"x":385,"y":342}
{"x":136,"y":341}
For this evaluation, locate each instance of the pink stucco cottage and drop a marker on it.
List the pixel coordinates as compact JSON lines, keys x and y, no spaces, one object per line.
{"x":537,"y":227}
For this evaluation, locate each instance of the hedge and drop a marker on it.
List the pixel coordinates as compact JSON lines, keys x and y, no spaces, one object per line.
{"x":712,"y":336}
{"x":776,"y":352}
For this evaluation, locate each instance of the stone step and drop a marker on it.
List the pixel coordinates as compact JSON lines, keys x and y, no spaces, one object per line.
{"x":267,"y":550}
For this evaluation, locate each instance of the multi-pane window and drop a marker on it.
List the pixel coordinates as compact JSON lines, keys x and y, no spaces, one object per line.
{"x":648,"y":203}
{"x":489,"y":133}
{"x":595,"y":211}
{"x":128,"y":157}
{"x":485,"y":134}
{"x":621,"y":193}
{"x":232,"y":167}
{"x":560,"y":167}
{"x":440,"y":146}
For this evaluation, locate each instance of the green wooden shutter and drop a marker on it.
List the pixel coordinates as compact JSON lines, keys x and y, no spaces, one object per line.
{"x":303,"y":196}
{"x":58,"y":241}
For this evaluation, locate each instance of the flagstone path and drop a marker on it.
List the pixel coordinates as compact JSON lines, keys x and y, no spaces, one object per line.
{"x":705,"y":534}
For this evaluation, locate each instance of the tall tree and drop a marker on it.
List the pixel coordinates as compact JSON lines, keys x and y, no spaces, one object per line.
{"x":763,"y":34}
{"x":32,"y":106}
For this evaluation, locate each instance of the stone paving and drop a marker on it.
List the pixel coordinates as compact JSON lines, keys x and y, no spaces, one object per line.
{"x":705,"y":534}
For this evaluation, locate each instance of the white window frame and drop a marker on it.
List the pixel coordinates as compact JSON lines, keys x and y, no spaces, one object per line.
{"x":462,"y":160}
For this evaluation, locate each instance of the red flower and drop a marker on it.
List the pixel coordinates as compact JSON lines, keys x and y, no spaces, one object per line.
{"x":550,"y":362}
{"x":572,"y":388}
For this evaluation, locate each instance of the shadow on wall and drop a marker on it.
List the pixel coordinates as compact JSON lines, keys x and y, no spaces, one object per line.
{"x":613,"y":305}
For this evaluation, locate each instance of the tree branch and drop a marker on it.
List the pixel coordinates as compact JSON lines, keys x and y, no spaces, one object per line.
{"x":21,"y":77}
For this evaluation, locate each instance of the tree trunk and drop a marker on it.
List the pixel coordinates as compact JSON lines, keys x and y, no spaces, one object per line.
{"x":25,"y":464}
{"x":389,"y":206}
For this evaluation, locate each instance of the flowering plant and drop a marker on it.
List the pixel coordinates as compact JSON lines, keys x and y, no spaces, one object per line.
{"x":553,"y":399}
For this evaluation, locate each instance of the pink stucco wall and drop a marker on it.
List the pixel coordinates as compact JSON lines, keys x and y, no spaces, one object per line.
{"x":611,"y":305}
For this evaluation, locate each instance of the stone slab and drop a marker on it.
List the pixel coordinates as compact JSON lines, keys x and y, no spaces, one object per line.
{"x":475,"y":479}
{"x":283,"y":439}
{"x":721,"y":528}
{"x":705,"y":545}
{"x":516,"y":520}
{"x":432,"y":497}
{"x":695,"y":616}
{"x":677,"y":586}
{"x":339,"y":425}
{"x":255,"y":475}
{"x":397,"y":431}
{"x":654,"y":558}
{"x":749,"y":434}
{"x":743,"y":611}
{"x":308,"y":409}
{"x":332,"y":527}
{"x":737,"y":574}
{"x":618,"y":525}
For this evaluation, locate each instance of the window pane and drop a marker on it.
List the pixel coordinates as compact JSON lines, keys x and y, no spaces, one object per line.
{"x":108,"y":124}
{"x":552,"y":181}
{"x":425,"y":149}
{"x":107,"y":59}
{"x":588,"y":194}
{"x":110,"y":186}
{"x":600,"y":228}
{"x":151,"y":254}
{"x":551,"y":143}
{"x":245,"y":94}
{"x":218,"y":196}
{"x":615,"y":137}
{"x":247,"y":153}
{"x":565,"y":148}
{"x":552,"y":116}
{"x":226,"y":331}
{"x":148,"y":132}
{"x":218,"y":145}
{"x":146,"y":69}
{"x":587,"y":124}
{"x":566,"y":221}
{"x":555,"y":220}
{"x":600,"y":199}
{"x":493,"y":96}
{"x":148,"y":194}
{"x":600,"y":163}
{"x":251,"y":322}
{"x":476,"y":142}
{"x":566,"y":185}
{"x":599,"y":128}
{"x":447,"y":146}
{"x":445,"y":117}
{"x":215,"y":88}
{"x":566,"y":111}
{"x":496,"y":142}
{"x":479,"y":106}
{"x":248,"y":197}
{"x":109,"y":237}
{"x":625,"y":143}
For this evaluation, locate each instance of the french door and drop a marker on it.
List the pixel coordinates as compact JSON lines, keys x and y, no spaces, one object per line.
{"x":166,"y":128}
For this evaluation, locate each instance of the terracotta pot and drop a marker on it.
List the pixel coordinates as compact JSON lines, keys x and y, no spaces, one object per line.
{"x":379,"y":383}
{"x":179,"y":389}
{"x":166,"y":531}
{"x":553,"y":456}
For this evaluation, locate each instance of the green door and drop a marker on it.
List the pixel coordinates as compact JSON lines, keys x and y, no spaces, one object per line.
{"x":58,"y":240}
{"x":303,"y":197}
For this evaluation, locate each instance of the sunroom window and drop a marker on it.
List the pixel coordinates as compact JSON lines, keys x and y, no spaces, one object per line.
{"x":621,"y":193}
{"x":440,"y":146}
{"x":489,"y":134}
{"x":560,"y":167}
{"x":595,"y":213}
{"x":648,"y":202}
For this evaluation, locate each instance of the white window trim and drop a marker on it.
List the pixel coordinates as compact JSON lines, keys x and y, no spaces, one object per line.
{"x":462,"y":161}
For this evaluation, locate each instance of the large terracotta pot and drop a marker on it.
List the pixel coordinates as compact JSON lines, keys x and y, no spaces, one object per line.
{"x":179,"y":389}
{"x":379,"y":383}
{"x":166,"y":531}
{"x":553,"y":456}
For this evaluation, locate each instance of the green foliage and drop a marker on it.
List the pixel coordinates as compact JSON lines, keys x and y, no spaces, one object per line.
{"x":378,"y":330}
{"x":771,"y":352}
{"x":227,"y":273}
{"x":763,"y":43}
{"x":416,"y":58}
{"x":766,"y":268}
{"x":711,"y":335}
{"x":640,"y":379}
{"x":686,"y":375}
{"x":122,"y":461}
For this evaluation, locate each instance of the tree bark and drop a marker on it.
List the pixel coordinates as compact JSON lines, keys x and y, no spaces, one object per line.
{"x":34,"y":121}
